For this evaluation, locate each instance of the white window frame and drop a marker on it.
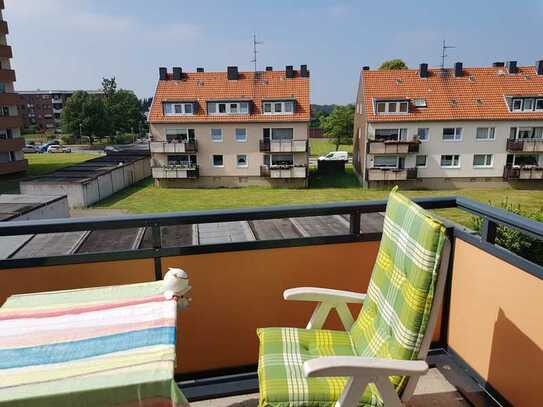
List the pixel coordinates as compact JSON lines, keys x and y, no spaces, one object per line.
{"x":213,"y":160}
{"x":515,"y":165}
{"x":513,"y":105}
{"x":244,"y":140}
{"x":485,"y":165}
{"x":211,"y":135}
{"x":246,"y":165}
{"x":457,"y":136}
{"x":490,"y":134}
{"x":524,"y":109}
{"x":427,"y":134}
{"x":388,"y":104}
{"x":386,"y":166}
{"x":401,"y":133}
{"x":541,"y":101}
{"x":183,"y":109}
{"x":425,"y":161}
{"x":459,"y":165}
{"x":273,"y":103}
{"x":230,"y":108}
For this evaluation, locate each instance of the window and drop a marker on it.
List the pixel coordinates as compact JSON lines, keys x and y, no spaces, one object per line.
{"x":390,"y":134}
{"x":216,"y":135}
{"x":228,"y":108}
{"x":517,"y":105}
{"x":485,"y":133}
{"x":452,"y":134}
{"x":525,"y":160}
{"x":222,"y":107}
{"x":4,"y":111}
{"x":392,"y":107}
{"x":176,"y":109}
{"x":282,"y":134}
{"x":450,"y":161}
{"x":180,"y":135}
{"x":423,"y":134}
{"x":241,"y":161}
{"x":218,"y":160}
{"x":385,"y":161}
{"x":420,"y":102}
{"x":420,"y":161}
{"x":241,"y":135}
{"x":2,"y":88}
{"x":525,"y":132}
{"x":266,"y":160}
{"x":282,"y":159}
{"x":539,"y":104}
{"x":182,"y":160}
{"x":233,"y":108}
{"x":528,"y":104}
{"x":483,"y":160}
{"x":279,"y":107}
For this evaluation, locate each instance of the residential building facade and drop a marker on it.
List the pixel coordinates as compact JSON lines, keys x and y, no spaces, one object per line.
{"x":447,"y":128}
{"x":11,"y":144}
{"x":43,"y":108}
{"x":230,"y":129}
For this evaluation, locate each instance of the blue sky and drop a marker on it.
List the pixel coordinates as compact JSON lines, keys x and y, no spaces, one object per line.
{"x":74,"y":43}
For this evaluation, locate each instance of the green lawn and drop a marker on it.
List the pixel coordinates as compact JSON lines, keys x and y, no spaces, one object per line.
{"x":322,"y":146}
{"x":145,"y":197}
{"x":40,"y":164}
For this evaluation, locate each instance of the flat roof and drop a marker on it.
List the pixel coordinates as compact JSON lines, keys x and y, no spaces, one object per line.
{"x":14,"y":205}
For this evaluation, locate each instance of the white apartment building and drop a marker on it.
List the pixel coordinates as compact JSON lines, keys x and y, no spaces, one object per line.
{"x":443,"y":128}
{"x":230,"y":129}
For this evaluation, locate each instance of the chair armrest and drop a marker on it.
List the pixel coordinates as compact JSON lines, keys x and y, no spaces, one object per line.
{"x":325,"y":295}
{"x":356,"y":366}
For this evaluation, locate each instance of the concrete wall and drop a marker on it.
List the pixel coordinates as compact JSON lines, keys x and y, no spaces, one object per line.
{"x":231,"y":182}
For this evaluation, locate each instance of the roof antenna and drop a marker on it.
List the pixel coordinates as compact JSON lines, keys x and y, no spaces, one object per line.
{"x":444,"y":49}
{"x":255,"y":51}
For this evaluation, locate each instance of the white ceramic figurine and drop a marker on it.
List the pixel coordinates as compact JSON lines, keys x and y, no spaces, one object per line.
{"x":176,"y":281}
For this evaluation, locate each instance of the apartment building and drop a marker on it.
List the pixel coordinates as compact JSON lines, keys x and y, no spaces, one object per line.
{"x":230,"y":129}
{"x":43,"y":108}
{"x":443,"y":128}
{"x":11,"y":144}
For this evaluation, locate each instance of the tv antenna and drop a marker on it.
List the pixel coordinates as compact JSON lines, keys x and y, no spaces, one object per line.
{"x":444,"y":48}
{"x":255,"y":51}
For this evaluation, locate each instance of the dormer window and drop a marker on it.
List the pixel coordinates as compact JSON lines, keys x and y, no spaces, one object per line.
{"x":226,"y":108}
{"x":178,"y":109}
{"x":278,"y":107}
{"x":392,"y":107}
{"x":526,"y":104}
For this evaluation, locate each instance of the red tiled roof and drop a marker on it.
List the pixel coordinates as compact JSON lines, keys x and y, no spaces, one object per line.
{"x":479,"y":94}
{"x":204,"y":86}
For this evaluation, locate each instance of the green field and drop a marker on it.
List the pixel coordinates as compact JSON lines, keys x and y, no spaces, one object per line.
{"x":322,"y":146}
{"x":40,"y":164}
{"x":145,"y":197}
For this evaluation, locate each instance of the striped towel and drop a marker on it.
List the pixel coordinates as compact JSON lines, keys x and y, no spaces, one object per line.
{"x":107,"y":346}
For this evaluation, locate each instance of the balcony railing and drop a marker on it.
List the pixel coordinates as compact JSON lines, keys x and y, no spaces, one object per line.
{"x":11,"y":122}
{"x":391,"y":174}
{"x":7,"y":75}
{"x":393,"y":147}
{"x":176,"y":171}
{"x":13,"y":166}
{"x":4,"y":27}
{"x":173,"y":146}
{"x":492,"y":294}
{"x":284,"y":171}
{"x":525,"y":145}
{"x":5,"y":51}
{"x":523,"y":173}
{"x":284,"y":146}
{"x":10,"y":99}
{"x":14,"y":144}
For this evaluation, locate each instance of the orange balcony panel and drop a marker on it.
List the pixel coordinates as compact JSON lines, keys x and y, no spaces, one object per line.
{"x":15,"y":144}
{"x":11,"y":122}
{"x":5,"y":51}
{"x":4,"y":27}
{"x":7,"y":75}
{"x":13,"y":166}
{"x":10,"y":99}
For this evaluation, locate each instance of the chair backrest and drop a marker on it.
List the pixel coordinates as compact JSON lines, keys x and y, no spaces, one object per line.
{"x":395,"y":318}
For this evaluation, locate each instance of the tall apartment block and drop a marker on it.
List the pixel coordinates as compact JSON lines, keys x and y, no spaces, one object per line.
{"x":230,"y":129}
{"x":442,"y":128}
{"x":11,"y":144}
{"x":43,"y":108}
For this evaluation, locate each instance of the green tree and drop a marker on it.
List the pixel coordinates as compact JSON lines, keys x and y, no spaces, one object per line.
{"x":393,"y":64}
{"x":123,"y":107}
{"x":109,"y":86}
{"x":86,"y":115}
{"x":338,"y":125}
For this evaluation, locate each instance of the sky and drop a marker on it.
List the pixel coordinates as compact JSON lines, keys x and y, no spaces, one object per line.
{"x":73,"y":44}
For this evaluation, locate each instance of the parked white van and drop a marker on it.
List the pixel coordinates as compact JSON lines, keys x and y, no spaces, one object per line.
{"x":335,"y":156}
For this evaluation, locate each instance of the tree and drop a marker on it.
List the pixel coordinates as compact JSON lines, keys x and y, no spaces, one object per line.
{"x":109,"y":86}
{"x":338,"y":125}
{"x":123,"y":108}
{"x":86,"y":115}
{"x":393,"y":64}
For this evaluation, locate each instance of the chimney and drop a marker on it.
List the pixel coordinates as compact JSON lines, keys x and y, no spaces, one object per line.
{"x":512,"y":66}
{"x":498,"y":64}
{"x":177,"y":73}
{"x":539,"y":67}
{"x":163,"y":74}
{"x":290,"y":72}
{"x":458,"y":70}
{"x":200,"y":69}
{"x":233,"y":74}
{"x":304,"y":73}
{"x":423,"y":72}
{"x":269,"y":68}
{"x":365,"y":68}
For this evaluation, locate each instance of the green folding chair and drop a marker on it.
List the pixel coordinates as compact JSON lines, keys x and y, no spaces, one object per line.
{"x":379,"y":358}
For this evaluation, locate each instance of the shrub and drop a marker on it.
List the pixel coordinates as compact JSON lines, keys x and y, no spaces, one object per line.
{"x":67,"y":139}
{"x":125,"y":138}
{"x":517,"y":242}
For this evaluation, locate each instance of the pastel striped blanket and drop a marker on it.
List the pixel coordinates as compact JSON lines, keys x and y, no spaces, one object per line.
{"x":107,"y":346}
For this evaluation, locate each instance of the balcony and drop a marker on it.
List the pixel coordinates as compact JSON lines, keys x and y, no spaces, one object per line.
{"x":4,"y":27}
{"x":173,"y":147}
{"x":179,"y":171}
{"x":7,"y":75}
{"x":13,"y":166}
{"x":14,"y":144}
{"x":11,"y":122}
{"x":284,"y":171}
{"x":391,"y":174}
{"x":283,"y":146}
{"x":5,"y":51}
{"x":393,"y":147}
{"x":487,"y":346}
{"x":10,"y":99}
{"x":523,"y":173}
{"x":525,"y":145}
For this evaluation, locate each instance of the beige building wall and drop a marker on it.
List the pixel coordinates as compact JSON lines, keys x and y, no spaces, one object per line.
{"x":466,"y":148}
{"x":229,"y":147}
